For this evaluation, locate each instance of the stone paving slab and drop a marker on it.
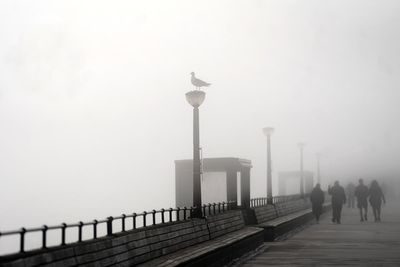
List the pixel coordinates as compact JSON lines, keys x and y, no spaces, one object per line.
{"x":351,"y":243}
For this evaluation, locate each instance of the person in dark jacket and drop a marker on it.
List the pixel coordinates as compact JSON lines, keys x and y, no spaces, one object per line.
{"x":338,"y":199}
{"x":361,"y":194}
{"x":375,"y":199}
{"x":317,"y":198}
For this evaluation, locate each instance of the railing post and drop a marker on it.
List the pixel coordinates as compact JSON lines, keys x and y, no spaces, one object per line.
{"x":154,"y":216}
{"x":144,"y":218}
{"x":109,"y":225}
{"x":80,"y":231}
{"x":95,"y":222}
{"x":162,"y":216}
{"x":219,"y":207}
{"x":44,"y":236}
{"x":177,"y":213}
{"x":223,"y":206}
{"x":123,"y":222}
{"x":64,"y":227}
{"x":214,"y":208}
{"x":134,"y":220}
{"x":22,"y":240}
{"x":184,"y":213}
{"x":170,"y":214}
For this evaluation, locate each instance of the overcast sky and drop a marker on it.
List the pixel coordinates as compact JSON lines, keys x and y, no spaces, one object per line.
{"x":93,"y":112}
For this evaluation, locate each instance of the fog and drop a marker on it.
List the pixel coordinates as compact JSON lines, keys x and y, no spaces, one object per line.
{"x":93,"y":110}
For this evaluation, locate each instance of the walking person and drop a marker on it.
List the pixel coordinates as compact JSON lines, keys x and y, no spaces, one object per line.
{"x":338,"y":199}
{"x":361,"y":194}
{"x":375,"y":199}
{"x":317,"y":198}
{"x":350,"y":195}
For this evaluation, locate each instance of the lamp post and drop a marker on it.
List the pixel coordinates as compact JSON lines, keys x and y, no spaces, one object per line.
{"x":301,"y":147}
{"x":196,"y":98}
{"x":268,"y":132}
{"x":318,"y":169}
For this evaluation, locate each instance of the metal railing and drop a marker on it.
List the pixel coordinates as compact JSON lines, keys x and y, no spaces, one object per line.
{"x":281,"y":199}
{"x":263,"y":201}
{"x":216,"y":208}
{"x":258,"y":202}
{"x":127,"y":222}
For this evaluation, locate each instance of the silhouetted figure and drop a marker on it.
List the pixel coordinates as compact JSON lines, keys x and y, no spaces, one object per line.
{"x":338,"y":199}
{"x":317,"y":198}
{"x":350,"y":195}
{"x":375,"y":199}
{"x":361,"y":194}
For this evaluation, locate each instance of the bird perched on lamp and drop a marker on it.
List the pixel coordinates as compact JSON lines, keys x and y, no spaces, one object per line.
{"x":197,"y":82}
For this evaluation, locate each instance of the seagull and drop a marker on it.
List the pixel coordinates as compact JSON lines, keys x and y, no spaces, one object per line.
{"x":197,"y":82}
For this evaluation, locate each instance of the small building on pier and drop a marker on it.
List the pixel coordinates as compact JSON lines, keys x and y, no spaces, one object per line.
{"x":223,"y":179}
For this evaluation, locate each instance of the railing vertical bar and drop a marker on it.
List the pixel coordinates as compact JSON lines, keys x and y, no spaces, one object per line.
{"x":80,"y":231}
{"x":95,"y":222}
{"x":64,"y":227}
{"x":134,"y":220}
{"x":22,"y":240}
{"x":144,"y":218}
{"x":154,"y":216}
{"x":162,"y":216}
{"x":123,"y":222}
{"x":110,"y":225}
{"x":44,"y":236}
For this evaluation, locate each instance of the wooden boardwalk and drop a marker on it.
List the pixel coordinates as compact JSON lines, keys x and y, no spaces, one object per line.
{"x":350,"y":244}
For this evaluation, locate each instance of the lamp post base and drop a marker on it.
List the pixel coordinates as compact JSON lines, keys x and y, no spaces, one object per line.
{"x":197,"y":213}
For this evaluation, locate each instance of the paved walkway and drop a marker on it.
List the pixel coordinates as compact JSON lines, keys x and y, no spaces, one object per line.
{"x":350,"y":244}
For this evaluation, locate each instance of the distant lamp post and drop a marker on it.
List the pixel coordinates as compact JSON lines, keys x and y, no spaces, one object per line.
{"x":196,"y":98}
{"x":301,"y":147}
{"x":318,"y":155}
{"x":268,"y":132}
